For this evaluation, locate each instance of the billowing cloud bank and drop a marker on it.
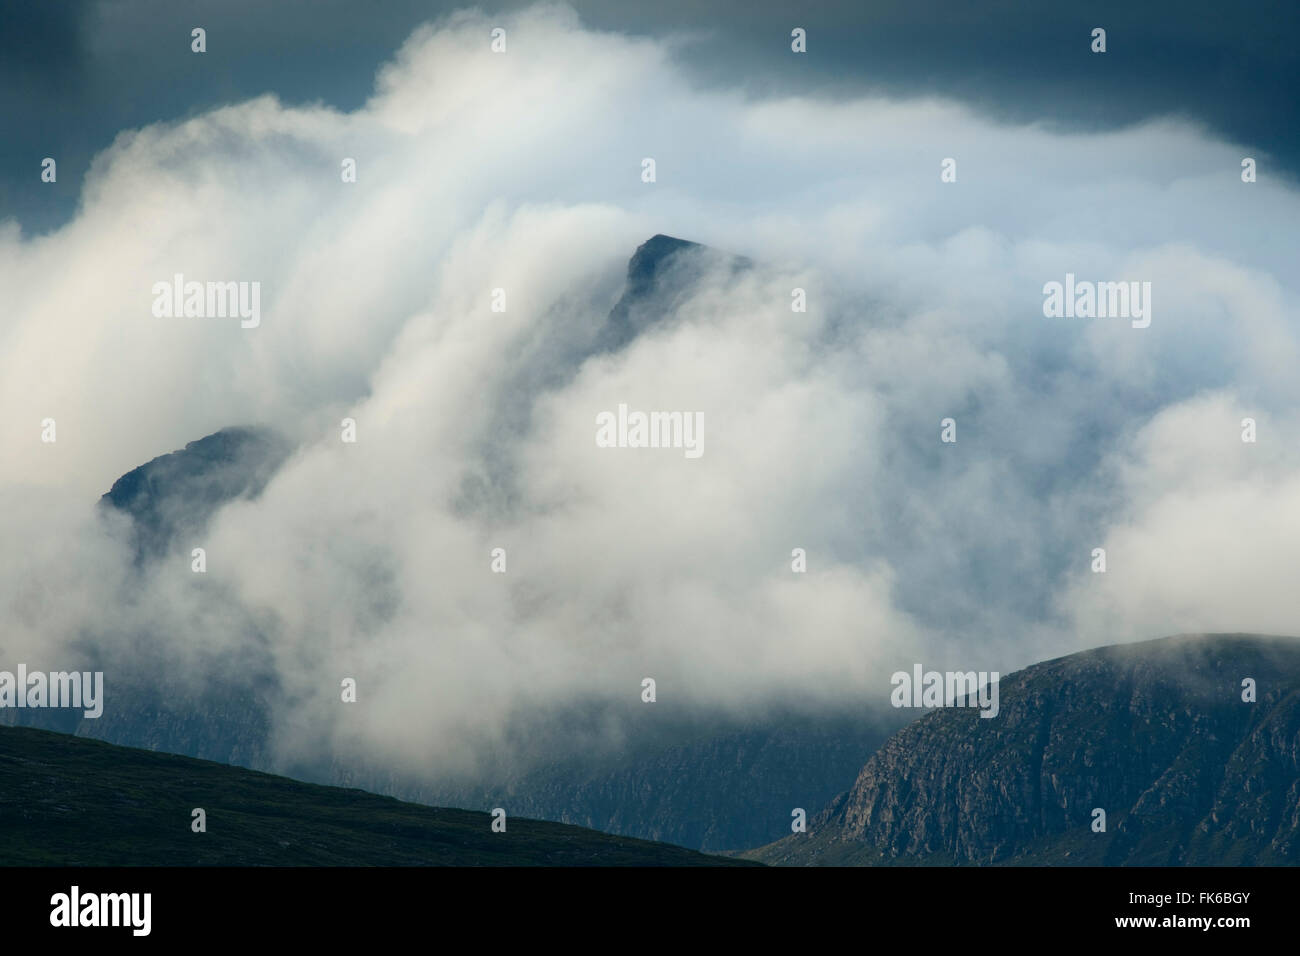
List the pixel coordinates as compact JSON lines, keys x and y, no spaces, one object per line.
{"x":475,"y":429}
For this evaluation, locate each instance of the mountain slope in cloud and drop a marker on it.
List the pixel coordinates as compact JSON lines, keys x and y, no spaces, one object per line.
{"x":715,"y":784}
{"x":176,"y":494}
{"x":1156,"y":734}
{"x":707,"y":780}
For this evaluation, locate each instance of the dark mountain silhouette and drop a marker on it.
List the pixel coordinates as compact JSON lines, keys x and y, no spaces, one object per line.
{"x":65,"y":801}
{"x":1156,"y":734}
{"x":661,"y":273}
{"x":175,"y":495}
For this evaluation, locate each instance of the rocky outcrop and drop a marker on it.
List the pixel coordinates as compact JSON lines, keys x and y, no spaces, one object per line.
{"x":1155,"y":734}
{"x":177,"y":493}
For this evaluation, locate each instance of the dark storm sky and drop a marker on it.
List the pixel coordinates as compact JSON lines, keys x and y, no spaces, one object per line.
{"x":73,"y":74}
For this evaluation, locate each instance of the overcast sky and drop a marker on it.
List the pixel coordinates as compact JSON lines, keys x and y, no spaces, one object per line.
{"x":76,"y":72}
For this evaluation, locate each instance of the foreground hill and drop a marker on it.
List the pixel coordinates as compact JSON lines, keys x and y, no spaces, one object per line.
{"x":1156,"y":734}
{"x":71,"y":801}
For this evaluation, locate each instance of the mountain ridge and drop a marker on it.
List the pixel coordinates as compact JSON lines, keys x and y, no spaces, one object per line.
{"x":71,"y":801}
{"x":1187,"y":772}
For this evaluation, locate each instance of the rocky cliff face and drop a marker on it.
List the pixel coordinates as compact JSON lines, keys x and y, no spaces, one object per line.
{"x":714,"y":786}
{"x":1156,"y":734}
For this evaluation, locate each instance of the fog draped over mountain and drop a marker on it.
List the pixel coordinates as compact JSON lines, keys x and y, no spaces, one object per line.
{"x":475,"y":429}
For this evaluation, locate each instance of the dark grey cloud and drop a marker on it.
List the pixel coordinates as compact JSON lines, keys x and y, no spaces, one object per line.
{"x":75,"y":74}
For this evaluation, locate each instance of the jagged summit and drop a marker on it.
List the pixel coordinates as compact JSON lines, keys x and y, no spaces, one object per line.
{"x":662,"y":271}
{"x":650,"y":259}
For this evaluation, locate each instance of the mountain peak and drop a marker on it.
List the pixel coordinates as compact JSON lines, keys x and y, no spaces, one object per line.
{"x":662,"y":270}
{"x":650,"y":259}
{"x":181,"y":490}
